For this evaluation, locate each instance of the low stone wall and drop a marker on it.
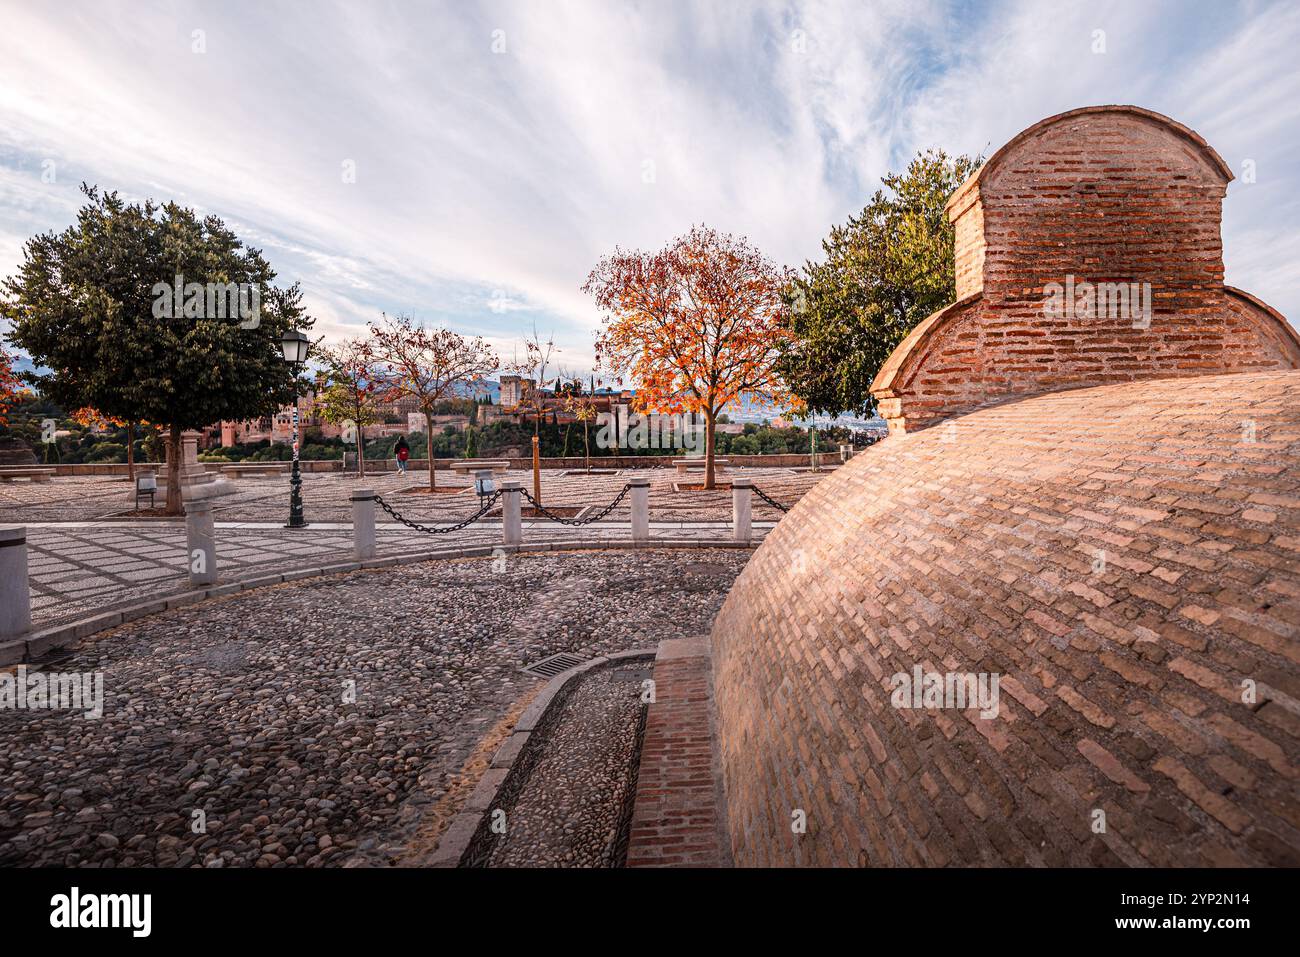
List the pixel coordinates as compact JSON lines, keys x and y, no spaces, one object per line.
{"x":522,"y":463}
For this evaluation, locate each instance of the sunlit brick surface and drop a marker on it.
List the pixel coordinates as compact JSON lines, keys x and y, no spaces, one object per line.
{"x":1125,"y":557}
{"x":1106,"y":195}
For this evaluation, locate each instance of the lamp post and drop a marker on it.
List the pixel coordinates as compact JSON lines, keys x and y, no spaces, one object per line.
{"x":294,"y":345}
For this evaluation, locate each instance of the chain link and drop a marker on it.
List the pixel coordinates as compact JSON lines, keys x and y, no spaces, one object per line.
{"x":769,"y":500}
{"x":583,"y":521}
{"x":487,"y":506}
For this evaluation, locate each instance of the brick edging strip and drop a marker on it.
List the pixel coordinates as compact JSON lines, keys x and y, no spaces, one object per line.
{"x":679,"y":817}
{"x":42,"y":641}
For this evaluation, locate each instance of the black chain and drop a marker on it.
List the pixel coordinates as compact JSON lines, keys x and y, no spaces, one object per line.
{"x":769,"y":500}
{"x":446,"y":528}
{"x":584,"y":521}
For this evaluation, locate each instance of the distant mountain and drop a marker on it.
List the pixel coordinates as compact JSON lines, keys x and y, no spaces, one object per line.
{"x":480,"y":389}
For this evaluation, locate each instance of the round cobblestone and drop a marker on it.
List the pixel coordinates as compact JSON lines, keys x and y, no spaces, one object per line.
{"x":313,"y":723}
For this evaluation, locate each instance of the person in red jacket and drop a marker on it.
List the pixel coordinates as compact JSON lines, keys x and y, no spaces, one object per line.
{"x":403,"y":453}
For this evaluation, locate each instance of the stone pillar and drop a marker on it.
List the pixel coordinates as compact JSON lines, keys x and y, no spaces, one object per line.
{"x":363,"y":523}
{"x":200,"y":542}
{"x":742,"y":526}
{"x":15,"y":596}
{"x":846,"y":452}
{"x":512,"y":527}
{"x":640,"y":507}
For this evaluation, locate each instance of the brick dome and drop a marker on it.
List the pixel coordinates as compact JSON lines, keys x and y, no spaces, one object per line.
{"x":1093,"y":520}
{"x":1124,"y":557}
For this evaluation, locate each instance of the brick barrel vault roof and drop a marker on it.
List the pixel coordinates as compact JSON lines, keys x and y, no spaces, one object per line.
{"x":1123,"y":556}
{"x":1193,"y":142}
{"x":1119,"y":199}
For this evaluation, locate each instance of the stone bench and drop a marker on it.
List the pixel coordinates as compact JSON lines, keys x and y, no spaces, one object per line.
{"x":240,"y":469}
{"x":36,"y":475}
{"x":684,"y":466}
{"x":495,"y":466}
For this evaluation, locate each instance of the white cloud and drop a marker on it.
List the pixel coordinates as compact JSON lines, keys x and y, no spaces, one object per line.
{"x":506,"y":175}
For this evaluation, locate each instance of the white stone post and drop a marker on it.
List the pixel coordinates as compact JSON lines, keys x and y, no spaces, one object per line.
{"x":512,"y":531}
{"x":200,"y":543}
{"x":640,"y":507}
{"x":846,"y":452}
{"x":742,"y":526}
{"x":15,"y":596}
{"x":363,"y":523}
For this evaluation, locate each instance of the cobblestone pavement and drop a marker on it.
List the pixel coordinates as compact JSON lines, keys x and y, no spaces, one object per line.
{"x":573,"y":807}
{"x":315,"y":723}
{"x":82,"y":566}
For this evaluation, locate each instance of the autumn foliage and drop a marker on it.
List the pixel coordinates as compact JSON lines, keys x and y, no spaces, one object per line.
{"x":11,"y":386}
{"x":696,"y":325}
{"x":426,"y":365}
{"x":353,"y":390}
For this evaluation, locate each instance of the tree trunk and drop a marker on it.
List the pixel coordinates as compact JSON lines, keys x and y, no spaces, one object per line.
{"x":174,"y":470}
{"x":130,"y":451}
{"x":586,"y":446}
{"x":361,"y":438}
{"x":708,"y":449}
{"x":537,"y":471}
{"x":537,"y":452}
{"x":428,"y":437}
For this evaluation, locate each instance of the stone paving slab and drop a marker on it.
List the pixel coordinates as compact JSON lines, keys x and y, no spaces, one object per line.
{"x":84,"y":557}
{"x":325,"y":496}
{"x":75,"y":569}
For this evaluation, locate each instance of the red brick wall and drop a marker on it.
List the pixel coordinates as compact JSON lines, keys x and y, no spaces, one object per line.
{"x":1108,"y":195}
{"x":1124,"y":556}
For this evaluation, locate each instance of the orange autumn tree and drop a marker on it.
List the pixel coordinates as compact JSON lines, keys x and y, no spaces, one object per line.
{"x":426,"y":365}
{"x":11,"y":387}
{"x":90,"y":418}
{"x":696,"y":325}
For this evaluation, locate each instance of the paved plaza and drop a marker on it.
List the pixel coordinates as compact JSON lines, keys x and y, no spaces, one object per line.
{"x":341,"y":720}
{"x":87,"y":555}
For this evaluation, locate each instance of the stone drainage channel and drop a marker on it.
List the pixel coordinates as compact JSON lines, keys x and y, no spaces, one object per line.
{"x":567,"y":798}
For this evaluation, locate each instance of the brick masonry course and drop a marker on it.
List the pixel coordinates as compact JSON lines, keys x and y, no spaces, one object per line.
{"x":677,"y":820}
{"x":1028,"y":544}
{"x":1106,"y":195}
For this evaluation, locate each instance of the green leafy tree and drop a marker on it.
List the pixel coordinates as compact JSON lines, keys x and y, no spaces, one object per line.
{"x":96,"y":305}
{"x":886,"y":269}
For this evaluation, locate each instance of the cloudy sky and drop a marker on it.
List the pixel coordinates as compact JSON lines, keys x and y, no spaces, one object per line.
{"x":498,"y":149}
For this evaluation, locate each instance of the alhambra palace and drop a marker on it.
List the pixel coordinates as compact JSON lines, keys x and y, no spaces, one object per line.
{"x":1102,"y":513}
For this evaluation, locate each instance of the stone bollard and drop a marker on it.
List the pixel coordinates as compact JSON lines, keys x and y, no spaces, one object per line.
{"x":363,"y":523}
{"x":742,"y":493}
{"x":640,"y":507}
{"x":15,"y":594}
{"x":512,"y":530}
{"x":200,"y":542}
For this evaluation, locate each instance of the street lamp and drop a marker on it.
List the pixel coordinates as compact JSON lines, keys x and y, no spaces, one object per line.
{"x":294,"y":345}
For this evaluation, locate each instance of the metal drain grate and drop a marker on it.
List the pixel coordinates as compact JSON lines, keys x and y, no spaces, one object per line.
{"x":554,"y":665}
{"x":55,"y":656}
